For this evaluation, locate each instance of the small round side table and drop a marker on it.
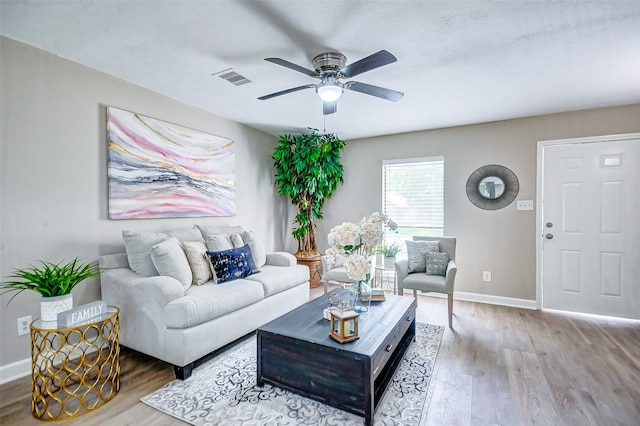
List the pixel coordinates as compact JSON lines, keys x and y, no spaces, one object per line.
{"x":384,"y":274}
{"x":75,"y":369}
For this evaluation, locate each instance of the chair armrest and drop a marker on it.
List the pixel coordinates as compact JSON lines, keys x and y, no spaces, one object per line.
{"x":402,"y":269}
{"x":281,"y":258}
{"x":450,"y":275}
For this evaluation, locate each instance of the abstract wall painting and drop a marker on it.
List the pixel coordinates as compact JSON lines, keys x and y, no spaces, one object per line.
{"x":158,"y":169}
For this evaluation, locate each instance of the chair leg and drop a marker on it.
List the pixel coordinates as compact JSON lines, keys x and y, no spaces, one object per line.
{"x":415,"y":296}
{"x":450,"y":300}
{"x":326,"y":286}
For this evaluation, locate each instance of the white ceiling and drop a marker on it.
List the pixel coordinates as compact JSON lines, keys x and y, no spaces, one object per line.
{"x":459,"y":62}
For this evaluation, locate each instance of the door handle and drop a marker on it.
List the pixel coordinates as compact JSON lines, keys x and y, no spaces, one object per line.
{"x":548,"y":236}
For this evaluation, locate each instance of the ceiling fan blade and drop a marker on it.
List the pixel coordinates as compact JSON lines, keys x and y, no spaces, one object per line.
{"x":329,"y":107}
{"x":369,"y":89}
{"x":293,"y":66}
{"x":284,"y":92}
{"x":371,"y":62}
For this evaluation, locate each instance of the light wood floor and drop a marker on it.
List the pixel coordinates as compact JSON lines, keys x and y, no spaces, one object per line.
{"x":498,"y":366}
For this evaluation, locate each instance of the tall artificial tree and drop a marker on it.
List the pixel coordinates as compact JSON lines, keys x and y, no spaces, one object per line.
{"x":308,"y":171}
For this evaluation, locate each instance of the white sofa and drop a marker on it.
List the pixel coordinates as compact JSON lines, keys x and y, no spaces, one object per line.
{"x":173,"y":319}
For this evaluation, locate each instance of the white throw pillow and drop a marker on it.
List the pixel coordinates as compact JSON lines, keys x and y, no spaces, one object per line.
{"x":196,"y":252}
{"x":170,"y":260}
{"x":258,"y":251}
{"x":416,"y":254}
{"x":138,"y":245}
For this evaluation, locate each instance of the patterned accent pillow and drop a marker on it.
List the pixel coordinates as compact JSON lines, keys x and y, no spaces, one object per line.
{"x":436,"y":263}
{"x":416,"y":252}
{"x":196,"y":252}
{"x":229,"y":265}
{"x":236,"y":240}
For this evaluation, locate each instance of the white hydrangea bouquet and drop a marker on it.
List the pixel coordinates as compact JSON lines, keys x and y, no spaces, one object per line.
{"x":357,"y":243}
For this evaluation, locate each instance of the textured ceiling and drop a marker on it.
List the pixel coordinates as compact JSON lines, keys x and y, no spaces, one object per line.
{"x":458,"y":62}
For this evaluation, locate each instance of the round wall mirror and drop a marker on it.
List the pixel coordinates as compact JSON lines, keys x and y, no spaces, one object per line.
{"x":492,"y":187}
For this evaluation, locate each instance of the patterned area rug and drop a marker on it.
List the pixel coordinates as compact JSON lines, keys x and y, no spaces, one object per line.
{"x":222,"y":391}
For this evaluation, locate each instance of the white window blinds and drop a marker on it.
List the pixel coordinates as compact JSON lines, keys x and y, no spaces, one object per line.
{"x":413,"y":195}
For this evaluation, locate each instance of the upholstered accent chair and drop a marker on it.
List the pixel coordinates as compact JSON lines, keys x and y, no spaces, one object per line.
{"x":413,"y":277}
{"x":332,"y":270}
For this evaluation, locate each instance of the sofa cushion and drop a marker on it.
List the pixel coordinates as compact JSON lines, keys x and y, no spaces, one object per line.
{"x":338,"y":274}
{"x":169,"y":259}
{"x":232,"y":264}
{"x":436,"y":263}
{"x":207,"y":302}
{"x":218,"y":242}
{"x":196,"y":252}
{"x":258,"y":250}
{"x":277,"y":278}
{"x":416,"y":254}
{"x":425,"y":282}
{"x":138,"y":246}
{"x":208,"y":230}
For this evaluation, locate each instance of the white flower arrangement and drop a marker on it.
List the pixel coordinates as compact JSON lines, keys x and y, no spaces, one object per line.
{"x":358,"y":242}
{"x":357,"y":267}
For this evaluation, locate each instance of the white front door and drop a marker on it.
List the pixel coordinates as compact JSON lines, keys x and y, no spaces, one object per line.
{"x":591,"y":226}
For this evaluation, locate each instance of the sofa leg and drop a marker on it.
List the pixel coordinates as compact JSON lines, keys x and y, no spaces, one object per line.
{"x":450,"y":297}
{"x":415,"y":296}
{"x":183,"y":373}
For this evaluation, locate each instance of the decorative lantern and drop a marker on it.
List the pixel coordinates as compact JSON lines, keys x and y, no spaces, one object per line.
{"x":343,"y":324}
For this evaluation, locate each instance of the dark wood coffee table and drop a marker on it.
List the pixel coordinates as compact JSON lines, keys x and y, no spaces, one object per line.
{"x":296,"y":353}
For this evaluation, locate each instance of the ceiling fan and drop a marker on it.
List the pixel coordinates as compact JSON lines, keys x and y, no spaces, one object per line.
{"x":330,"y":68}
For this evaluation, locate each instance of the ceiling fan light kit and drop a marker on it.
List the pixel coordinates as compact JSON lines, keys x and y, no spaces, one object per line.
{"x":329,"y":89}
{"x":329,"y":68}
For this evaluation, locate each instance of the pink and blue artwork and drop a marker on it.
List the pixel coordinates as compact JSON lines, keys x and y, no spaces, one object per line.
{"x":159,"y":170}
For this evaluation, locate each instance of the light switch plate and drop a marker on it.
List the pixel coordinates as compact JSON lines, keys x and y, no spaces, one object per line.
{"x":524,"y":205}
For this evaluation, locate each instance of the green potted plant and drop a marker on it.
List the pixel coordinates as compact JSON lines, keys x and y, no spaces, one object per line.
{"x":389,"y":251}
{"x":54,"y":282}
{"x":308,"y":171}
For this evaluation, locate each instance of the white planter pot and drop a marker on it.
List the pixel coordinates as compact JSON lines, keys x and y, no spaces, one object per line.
{"x":389,"y":262}
{"x":50,"y":306}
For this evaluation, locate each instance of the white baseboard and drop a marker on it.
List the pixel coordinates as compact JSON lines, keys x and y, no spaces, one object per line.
{"x":488,"y":299}
{"x":495,"y":300}
{"x":15,"y":370}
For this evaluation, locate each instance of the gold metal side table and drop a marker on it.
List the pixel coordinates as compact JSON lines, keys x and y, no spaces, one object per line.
{"x":75,"y":369}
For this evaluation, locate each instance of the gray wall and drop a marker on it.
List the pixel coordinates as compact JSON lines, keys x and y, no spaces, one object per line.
{"x":501,"y":241}
{"x":53,"y":160}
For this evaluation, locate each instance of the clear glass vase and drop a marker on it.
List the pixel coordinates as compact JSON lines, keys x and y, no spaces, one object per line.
{"x":360,"y":296}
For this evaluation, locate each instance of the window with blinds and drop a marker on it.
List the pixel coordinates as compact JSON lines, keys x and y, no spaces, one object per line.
{"x":413,"y":195}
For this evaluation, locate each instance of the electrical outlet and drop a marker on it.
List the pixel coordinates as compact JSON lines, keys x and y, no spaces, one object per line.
{"x":23,"y":325}
{"x":486,"y":276}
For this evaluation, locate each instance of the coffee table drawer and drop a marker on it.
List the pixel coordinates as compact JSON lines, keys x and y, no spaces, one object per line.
{"x":389,"y":346}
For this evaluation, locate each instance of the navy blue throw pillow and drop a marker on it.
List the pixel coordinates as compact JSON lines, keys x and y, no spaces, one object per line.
{"x":232,"y":264}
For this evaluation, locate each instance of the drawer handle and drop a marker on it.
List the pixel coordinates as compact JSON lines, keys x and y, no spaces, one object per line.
{"x":409,"y":318}
{"x":388,"y":348}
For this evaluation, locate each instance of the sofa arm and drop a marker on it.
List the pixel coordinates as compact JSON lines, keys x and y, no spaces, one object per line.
{"x":281,"y":258}
{"x":450,"y":275}
{"x":125,"y":289}
{"x":402,"y":269}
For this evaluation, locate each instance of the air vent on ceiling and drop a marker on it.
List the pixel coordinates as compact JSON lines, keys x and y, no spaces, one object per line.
{"x":232,"y":77}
